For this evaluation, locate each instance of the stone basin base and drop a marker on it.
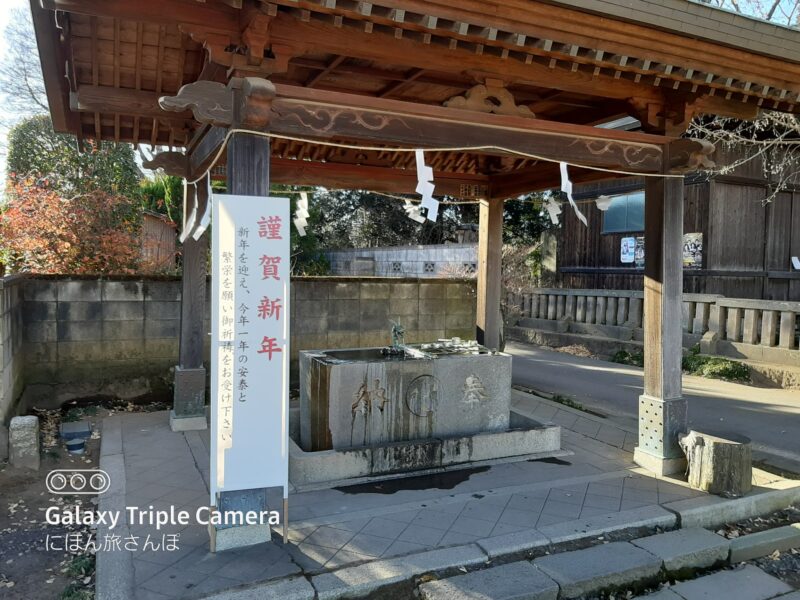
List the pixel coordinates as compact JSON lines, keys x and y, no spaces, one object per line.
{"x":308,"y":470}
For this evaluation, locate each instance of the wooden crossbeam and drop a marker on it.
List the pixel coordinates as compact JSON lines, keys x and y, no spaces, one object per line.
{"x":378,"y":179}
{"x":316,"y":114}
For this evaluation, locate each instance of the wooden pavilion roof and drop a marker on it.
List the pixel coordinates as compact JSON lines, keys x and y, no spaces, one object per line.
{"x":107,"y":62}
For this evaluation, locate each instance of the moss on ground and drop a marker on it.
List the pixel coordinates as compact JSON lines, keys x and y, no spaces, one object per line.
{"x":694,"y":363}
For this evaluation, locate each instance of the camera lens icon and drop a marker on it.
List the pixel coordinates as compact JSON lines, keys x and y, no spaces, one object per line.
{"x":80,"y":481}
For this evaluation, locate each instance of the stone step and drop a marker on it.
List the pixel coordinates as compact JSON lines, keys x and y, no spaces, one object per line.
{"x":744,"y":583}
{"x":514,"y":581}
{"x":588,"y":571}
{"x":582,"y":572}
{"x":692,"y":548}
{"x":762,"y":543}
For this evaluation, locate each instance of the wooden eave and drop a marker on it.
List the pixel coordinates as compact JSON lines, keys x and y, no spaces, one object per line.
{"x":567,"y":65}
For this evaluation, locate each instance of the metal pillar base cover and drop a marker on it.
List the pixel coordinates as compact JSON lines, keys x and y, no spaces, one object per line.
{"x":660,"y":424}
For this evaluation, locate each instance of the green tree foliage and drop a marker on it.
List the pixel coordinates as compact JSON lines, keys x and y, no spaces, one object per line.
{"x":358,"y":219}
{"x":163,"y":194}
{"x":36,"y":151}
{"x":524,"y":221}
{"x":308,"y":256}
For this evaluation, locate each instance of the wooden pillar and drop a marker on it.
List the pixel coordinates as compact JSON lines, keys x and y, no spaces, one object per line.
{"x":662,"y":409}
{"x":189,"y":394}
{"x":490,"y":259}
{"x":247,"y":175}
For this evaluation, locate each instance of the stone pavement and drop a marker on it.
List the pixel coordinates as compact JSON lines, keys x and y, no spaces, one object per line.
{"x":335,"y":527}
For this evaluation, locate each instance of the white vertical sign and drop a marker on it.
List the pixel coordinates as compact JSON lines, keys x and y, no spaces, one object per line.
{"x":250,"y":343}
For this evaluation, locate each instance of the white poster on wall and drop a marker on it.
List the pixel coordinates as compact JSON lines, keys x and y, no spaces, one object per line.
{"x":249,"y":343}
{"x":627,"y":250}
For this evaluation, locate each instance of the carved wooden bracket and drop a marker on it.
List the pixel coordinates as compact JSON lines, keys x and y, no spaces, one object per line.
{"x":213,"y":103}
{"x":686,"y":156}
{"x":172,"y":163}
{"x":490,"y":98}
{"x":210,"y":102}
{"x":672,"y":116}
{"x":250,"y":52}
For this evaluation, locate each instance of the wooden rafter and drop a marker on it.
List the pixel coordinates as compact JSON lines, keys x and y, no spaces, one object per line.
{"x":314,"y":79}
{"x":393,"y":88}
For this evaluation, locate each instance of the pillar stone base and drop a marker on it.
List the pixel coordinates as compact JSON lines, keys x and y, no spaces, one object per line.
{"x":658,"y":465}
{"x":177,"y":423}
{"x":227,"y":537}
{"x":189,"y":400}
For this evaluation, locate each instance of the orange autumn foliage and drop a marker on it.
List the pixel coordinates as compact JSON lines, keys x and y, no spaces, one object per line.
{"x":93,"y":233}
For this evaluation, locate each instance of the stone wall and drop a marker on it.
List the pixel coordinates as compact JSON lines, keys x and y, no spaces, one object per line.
{"x":11,"y":357}
{"x":70,"y":338}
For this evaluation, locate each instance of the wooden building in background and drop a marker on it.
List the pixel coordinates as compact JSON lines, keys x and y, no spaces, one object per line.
{"x":747,"y":243}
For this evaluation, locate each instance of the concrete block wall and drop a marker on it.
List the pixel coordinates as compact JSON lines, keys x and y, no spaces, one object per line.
{"x":70,"y":338}
{"x":88,"y":337}
{"x":11,"y":353}
{"x":429,"y":261}
{"x":357,"y":312}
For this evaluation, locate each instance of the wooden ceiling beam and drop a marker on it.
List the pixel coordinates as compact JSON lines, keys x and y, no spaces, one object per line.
{"x":110,"y":100}
{"x":542,"y":177}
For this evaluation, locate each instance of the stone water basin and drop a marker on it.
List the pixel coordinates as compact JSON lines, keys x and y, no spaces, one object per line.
{"x":362,"y":398}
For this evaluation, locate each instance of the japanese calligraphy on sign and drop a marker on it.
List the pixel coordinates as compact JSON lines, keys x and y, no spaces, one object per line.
{"x":250,"y":343}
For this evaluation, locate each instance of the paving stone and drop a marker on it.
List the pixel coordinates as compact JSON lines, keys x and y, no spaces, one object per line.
{"x":585,"y":571}
{"x":381,"y":527}
{"x":686,"y":548}
{"x":763,"y":543}
{"x":665,"y":594}
{"x":645,"y":518}
{"x":23,"y":442}
{"x":368,"y":578}
{"x":295,"y":588}
{"x":514,"y":581}
{"x":747,"y":583}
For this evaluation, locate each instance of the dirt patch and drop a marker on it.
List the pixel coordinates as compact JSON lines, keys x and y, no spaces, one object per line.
{"x":35,"y":559}
{"x":577,"y":350}
{"x":779,"y":518}
{"x":783,"y":565}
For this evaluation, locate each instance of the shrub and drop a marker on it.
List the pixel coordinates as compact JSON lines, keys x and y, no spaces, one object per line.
{"x":91,"y":233}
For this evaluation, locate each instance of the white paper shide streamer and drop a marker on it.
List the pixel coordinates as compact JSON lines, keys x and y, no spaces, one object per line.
{"x":566,"y":187}
{"x":425,"y":186}
{"x":301,"y":214}
{"x":205,"y":219}
{"x":188,"y":220}
{"x":603,"y":202}
{"x":413,"y":212}
{"x":796,"y":263}
{"x":553,"y":209}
